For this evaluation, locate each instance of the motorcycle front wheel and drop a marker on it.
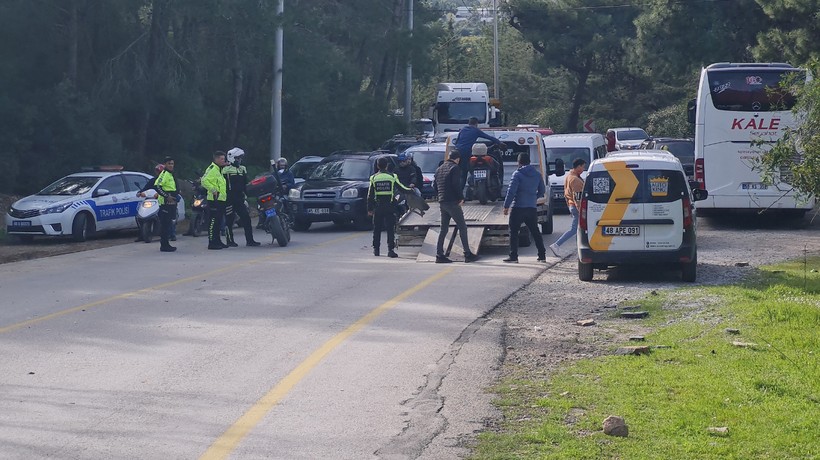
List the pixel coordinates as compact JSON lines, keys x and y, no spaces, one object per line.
{"x":197,"y":224}
{"x":147,"y":231}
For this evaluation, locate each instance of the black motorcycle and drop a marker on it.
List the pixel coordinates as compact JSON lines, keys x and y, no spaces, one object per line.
{"x":484,"y":182}
{"x":199,"y":209}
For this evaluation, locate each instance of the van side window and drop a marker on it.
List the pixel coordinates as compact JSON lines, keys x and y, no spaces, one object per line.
{"x":600,"y":151}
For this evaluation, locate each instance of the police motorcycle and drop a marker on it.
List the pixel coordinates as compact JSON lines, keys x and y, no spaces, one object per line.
{"x":271,"y":203}
{"x":199,"y":209}
{"x":148,"y":215}
{"x":485,"y":174}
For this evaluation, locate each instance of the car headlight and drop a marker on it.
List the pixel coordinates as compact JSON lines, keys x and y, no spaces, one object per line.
{"x":294,"y":194}
{"x":56,"y":209}
{"x":350,"y":193}
{"x":148,"y":204}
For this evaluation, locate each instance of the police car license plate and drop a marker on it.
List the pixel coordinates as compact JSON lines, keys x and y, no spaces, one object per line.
{"x":21,"y":223}
{"x":621,"y":231}
{"x":318,"y":210}
{"x":480,"y":174}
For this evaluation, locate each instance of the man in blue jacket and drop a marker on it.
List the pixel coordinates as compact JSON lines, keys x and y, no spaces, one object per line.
{"x":467,"y":136}
{"x":526,"y":187}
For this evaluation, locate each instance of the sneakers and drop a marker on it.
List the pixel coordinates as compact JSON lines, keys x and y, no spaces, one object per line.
{"x":392,"y":254}
{"x":511,"y":260}
{"x":253,"y":243}
{"x":542,"y":258}
{"x":470,"y":258}
{"x":443,"y":260}
{"x":167,"y":249}
{"x":555,"y":250}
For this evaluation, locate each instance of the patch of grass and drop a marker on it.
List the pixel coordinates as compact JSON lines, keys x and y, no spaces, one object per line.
{"x":768,"y":395}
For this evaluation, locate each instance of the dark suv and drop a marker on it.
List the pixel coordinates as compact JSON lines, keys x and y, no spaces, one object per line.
{"x":336,"y":190}
{"x":683,"y":149}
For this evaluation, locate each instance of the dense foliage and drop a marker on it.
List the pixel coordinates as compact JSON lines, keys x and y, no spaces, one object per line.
{"x":127,"y":82}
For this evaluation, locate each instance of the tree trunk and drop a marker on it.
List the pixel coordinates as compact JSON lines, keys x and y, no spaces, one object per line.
{"x":155,"y":38}
{"x":578,"y":100}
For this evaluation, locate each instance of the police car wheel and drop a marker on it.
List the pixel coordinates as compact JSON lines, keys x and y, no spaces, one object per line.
{"x":81,"y":228}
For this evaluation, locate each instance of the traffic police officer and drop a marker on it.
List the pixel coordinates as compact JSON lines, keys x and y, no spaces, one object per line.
{"x":381,"y":205}
{"x":236,"y":176}
{"x":214,"y":182}
{"x":166,"y":187}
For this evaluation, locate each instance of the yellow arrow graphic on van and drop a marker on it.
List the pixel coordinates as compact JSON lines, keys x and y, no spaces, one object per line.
{"x":626,"y":183}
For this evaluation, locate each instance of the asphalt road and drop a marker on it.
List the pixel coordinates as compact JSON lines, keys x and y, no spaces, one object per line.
{"x":316,"y":350}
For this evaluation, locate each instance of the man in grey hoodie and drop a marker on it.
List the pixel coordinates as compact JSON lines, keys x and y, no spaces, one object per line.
{"x":526,"y":186}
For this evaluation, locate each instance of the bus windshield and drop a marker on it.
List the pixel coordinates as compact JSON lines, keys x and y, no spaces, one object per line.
{"x":750,"y":90}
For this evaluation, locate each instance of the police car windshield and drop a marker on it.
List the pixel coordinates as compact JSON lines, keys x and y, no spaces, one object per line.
{"x":342,"y":169}
{"x":71,"y":186}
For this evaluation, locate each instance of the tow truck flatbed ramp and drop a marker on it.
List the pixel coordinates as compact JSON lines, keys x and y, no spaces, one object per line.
{"x":486,"y":226}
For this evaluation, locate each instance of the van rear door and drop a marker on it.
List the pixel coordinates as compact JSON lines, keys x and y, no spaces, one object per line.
{"x":613,"y":215}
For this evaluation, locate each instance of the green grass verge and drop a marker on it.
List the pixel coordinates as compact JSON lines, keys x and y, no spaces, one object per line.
{"x":767,"y":395}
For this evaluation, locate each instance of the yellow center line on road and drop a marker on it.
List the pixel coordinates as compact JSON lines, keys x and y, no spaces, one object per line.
{"x":126,"y":295}
{"x":226,"y":443}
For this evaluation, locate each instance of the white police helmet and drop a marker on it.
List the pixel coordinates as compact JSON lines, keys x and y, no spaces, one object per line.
{"x":234,"y":154}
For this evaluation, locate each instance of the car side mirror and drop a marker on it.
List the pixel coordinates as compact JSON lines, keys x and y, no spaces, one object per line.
{"x":699,"y":194}
{"x":101,"y":192}
{"x":691,"y":111}
{"x":560,"y":169}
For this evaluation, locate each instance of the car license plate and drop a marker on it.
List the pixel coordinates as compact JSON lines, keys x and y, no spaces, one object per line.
{"x":270,"y":212}
{"x":558,"y":195}
{"x":621,"y":231}
{"x":480,"y":174}
{"x":753,"y":186}
{"x":318,"y":210}
{"x":21,"y":223}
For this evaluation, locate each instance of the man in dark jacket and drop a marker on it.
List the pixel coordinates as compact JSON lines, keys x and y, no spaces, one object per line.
{"x":526,"y":187}
{"x":467,"y":136}
{"x":450,"y":199}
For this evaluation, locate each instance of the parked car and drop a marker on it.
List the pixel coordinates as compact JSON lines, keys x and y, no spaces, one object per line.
{"x":428,"y":157}
{"x":637,"y":208}
{"x":401,"y":142}
{"x":336,"y":190}
{"x":303,"y":166}
{"x":78,"y":205}
{"x":628,"y":138}
{"x":683,"y":149}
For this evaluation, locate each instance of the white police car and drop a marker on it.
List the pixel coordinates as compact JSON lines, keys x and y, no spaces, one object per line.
{"x":79,"y":205}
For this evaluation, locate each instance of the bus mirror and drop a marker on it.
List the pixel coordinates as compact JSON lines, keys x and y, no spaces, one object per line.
{"x":691,"y":110}
{"x":559,"y":167}
{"x":699,"y":194}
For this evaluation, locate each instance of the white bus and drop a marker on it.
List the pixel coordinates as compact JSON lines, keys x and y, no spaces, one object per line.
{"x":739,"y":105}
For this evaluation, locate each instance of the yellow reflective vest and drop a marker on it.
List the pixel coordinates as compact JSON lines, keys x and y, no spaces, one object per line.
{"x":165,"y":185}
{"x":214,"y":181}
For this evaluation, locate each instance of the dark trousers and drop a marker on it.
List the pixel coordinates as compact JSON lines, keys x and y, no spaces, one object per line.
{"x":528,"y":217}
{"x":240,"y":211}
{"x":216,"y":211}
{"x":451,"y":209}
{"x":384,"y":219}
{"x":167,"y":212}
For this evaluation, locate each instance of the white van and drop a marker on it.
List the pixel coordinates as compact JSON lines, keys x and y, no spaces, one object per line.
{"x":636,"y":208}
{"x":561,"y":150}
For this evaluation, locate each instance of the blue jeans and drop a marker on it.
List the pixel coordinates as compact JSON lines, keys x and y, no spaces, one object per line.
{"x":572,"y":230}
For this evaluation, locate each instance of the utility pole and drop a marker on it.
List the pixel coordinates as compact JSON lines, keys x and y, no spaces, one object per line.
{"x":496,"y":95}
{"x":276,"y":99}
{"x":408,"y":85}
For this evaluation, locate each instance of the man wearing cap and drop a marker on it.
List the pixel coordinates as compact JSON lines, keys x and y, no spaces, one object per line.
{"x":450,"y":199}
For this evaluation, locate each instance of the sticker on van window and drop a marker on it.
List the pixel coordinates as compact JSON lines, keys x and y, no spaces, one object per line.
{"x":659,"y":186}
{"x":600,"y":186}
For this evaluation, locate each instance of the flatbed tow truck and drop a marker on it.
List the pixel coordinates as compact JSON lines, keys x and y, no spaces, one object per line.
{"x":487,"y":226}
